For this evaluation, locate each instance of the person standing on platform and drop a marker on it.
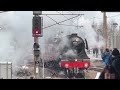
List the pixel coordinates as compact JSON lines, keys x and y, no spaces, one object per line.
{"x":105,"y":56}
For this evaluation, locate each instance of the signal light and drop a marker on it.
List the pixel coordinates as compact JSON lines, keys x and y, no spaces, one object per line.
{"x":36,"y":49}
{"x":37,"y":26}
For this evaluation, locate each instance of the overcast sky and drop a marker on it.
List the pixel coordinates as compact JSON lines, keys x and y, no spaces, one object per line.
{"x":99,"y":16}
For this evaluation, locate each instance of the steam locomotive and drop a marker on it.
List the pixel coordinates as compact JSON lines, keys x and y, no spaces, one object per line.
{"x":73,"y":65}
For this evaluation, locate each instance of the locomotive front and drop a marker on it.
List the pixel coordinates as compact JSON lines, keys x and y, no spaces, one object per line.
{"x":74,"y":65}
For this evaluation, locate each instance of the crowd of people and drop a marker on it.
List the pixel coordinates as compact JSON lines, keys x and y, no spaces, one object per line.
{"x":111,"y":59}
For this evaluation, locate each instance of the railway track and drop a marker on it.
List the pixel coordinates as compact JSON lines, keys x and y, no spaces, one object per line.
{"x":97,"y":68}
{"x":97,"y":65}
{"x":55,"y":74}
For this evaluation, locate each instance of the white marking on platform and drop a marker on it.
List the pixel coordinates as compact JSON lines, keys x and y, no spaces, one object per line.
{"x":48,"y":77}
{"x":37,"y":70}
{"x":97,"y":75}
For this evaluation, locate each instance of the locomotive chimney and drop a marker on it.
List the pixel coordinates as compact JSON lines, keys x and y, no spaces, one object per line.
{"x":74,"y":34}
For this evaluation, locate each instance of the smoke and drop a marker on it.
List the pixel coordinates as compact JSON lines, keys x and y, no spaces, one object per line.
{"x":16,"y":35}
{"x":70,"y":53}
{"x":89,"y":33}
{"x":85,"y":32}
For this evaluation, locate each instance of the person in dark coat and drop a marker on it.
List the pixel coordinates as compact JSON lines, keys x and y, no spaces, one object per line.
{"x":115,"y":54}
{"x":116,"y":66}
{"x":93,"y":51}
{"x":115,"y":61}
{"x":96,"y":52}
{"x":101,"y":50}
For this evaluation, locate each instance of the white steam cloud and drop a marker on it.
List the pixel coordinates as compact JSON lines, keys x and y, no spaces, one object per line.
{"x":70,"y":53}
{"x":16,"y":35}
{"x":88,"y":32}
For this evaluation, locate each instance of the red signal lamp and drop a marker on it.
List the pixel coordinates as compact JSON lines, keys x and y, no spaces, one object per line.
{"x":37,"y":31}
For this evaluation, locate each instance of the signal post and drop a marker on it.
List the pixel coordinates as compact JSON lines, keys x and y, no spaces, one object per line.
{"x":36,"y":33}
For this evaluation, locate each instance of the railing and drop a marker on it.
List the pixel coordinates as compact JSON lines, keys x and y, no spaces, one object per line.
{"x":6,"y":70}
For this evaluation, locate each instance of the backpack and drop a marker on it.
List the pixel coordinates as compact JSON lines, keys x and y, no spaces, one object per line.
{"x":116,"y":65}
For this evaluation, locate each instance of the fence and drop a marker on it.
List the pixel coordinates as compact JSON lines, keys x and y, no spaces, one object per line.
{"x":5,"y":70}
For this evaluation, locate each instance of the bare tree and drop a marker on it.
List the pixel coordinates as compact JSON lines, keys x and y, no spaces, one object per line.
{"x":110,"y":26}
